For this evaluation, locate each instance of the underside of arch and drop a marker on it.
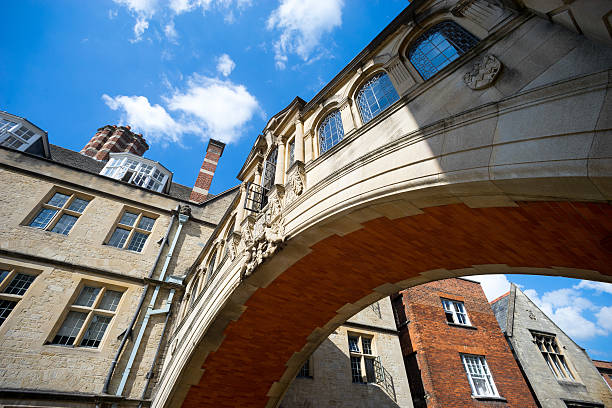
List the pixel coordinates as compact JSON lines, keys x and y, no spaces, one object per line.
{"x":257,"y":358}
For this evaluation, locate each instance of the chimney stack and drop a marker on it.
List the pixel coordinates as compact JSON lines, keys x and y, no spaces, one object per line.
{"x":114,"y":139}
{"x":205,"y":176}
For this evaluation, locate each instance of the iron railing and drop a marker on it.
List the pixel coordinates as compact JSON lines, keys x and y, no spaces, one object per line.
{"x":384,"y":379}
{"x":256,"y":198}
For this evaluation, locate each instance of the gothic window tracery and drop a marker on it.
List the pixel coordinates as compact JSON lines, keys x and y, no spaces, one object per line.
{"x":439,"y":46}
{"x":375,"y":96}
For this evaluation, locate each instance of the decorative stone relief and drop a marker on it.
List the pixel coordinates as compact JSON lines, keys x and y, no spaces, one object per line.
{"x":484,"y":72}
{"x":486,"y":13}
{"x":232,"y":246}
{"x":266,"y":242}
{"x":296,"y":183}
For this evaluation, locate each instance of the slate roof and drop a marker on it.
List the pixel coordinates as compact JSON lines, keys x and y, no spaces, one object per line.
{"x":81,"y":162}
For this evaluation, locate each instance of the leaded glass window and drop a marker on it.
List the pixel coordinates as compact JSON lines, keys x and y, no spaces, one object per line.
{"x":88,"y":317}
{"x":479,"y":376}
{"x":132,"y":231}
{"x":439,"y":46}
{"x":269,"y":172}
{"x":362,"y":358}
{"x":59,"y":213}
{"x":13,"y":286}
{"x":375,"y":96}
{"x":291,"y":152}
{"x":331,"y":131}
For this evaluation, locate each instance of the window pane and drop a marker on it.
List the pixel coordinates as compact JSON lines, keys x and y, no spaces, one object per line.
{"x":375,"y":96}
{"x":128,"y":219}
{"x":291,"y":152}
{"x":65,"y":224}
{"x":137,"y":242}
{"x":58,"y":200}
{"x":356,"y":370}
{"x":87,"y":297}
{"x":146,"y":223}
{"x":70,"y":329}
{"x":305,"y":370}
{"x":95,"y":331}
{"x":370,"y":373}
{"x":42,"y":219}
{"x":3,"y":274}
{"x":78,"y":205}
{"x":110,"y":300}
{"x":353,"y":344}
{"x":119,"y":237}
{"x":20,"y":283}
{"x":367,"y":345}
{"x":6,"y":307}
{"x":440,"y":45}
{"x":331,"y":131}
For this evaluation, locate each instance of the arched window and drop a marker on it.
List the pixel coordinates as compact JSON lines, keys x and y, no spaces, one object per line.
{"x":269,"y":172}
{"x":330,"y":131}
{"x":439,"y":46}
{"x":375,"y":96}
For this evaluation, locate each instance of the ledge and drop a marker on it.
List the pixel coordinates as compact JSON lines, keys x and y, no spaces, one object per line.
{"x":491,"y":399}
{"x":462,"y":326}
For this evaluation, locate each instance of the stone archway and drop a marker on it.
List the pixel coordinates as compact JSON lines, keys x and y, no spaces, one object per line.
{"x":258,"y":353}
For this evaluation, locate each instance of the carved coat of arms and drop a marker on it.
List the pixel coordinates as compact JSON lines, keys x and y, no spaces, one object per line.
{"x":483,"y":73}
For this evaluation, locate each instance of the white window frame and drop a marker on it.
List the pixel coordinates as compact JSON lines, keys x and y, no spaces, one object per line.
{"x":10,"y":129}
{"x":136,"y":170}
{"x":456,"y":308}
{"x":481,"y":363}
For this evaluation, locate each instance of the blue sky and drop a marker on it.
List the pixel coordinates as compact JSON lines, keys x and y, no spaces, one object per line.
{"x":182,"y":71}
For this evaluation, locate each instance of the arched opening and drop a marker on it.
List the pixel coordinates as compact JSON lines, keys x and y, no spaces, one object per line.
{"x":285,"y":316}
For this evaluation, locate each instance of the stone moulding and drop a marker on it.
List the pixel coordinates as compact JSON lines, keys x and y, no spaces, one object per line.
{"x":484,"y":72}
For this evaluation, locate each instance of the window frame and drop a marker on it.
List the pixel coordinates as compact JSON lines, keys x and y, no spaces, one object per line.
{"x":118,"y":167}
{"x":425,"y":36}
{"x":91,"y":311}
{"x":7,"y":280}
{"x":10,"y":128}
{"x":487,"y":376}
{"x":556,"y":361}
{"x":60,"y":211}
{"x":369,"y":82}
{"x":133,"y":229}
{"x":455,"y":313}
{"x":335,"y":114}
{"x":307,"y":369}
{"x":361,"y":356}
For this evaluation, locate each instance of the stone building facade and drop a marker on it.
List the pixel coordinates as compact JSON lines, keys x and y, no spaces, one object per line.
{"x":454,"y":352}
{"x":359,"y":365}
{"x":91,"y":270}
{"x":560,"y":373}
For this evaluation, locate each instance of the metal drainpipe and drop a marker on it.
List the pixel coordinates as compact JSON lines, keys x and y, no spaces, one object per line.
{"x":150,"y":311}
{"x":150,"y":373}
{"x":128,"y":331}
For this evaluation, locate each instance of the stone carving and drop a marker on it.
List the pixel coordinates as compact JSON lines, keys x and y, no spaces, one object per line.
{"x":185,"y":210}
{"x":483,"y":73}
{"x":531,"y":315}
{"x":265,"y":243}
{"x":232,"y":247}
{"x":295,"y":185}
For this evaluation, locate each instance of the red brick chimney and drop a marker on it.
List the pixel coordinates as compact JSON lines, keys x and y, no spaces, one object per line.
{"x":205,"y":176}
{"x":114,"y":139}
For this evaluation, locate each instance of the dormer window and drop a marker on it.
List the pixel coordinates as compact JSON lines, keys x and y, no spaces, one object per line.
{"x":136,"y":170}
{"x":17,"y":135}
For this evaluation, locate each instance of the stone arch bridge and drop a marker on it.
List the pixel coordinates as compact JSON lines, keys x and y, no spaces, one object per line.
{"x":447,"y":181}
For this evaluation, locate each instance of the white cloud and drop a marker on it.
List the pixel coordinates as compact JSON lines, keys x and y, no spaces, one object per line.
{"x":225,"y":65}
{"x":302,"y":24}
{"x":596,"y":286}
{"x":604,"y":318}
{"x":207,"y":107}
{"x":493,"y":285}
{"x":220,"y":107}
{"x":144,"y":10}
{"x":566,"y":308}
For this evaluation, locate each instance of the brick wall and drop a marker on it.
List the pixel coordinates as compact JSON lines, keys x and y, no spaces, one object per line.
{"x":433,"y":346}
{"x":114,"y":139}
{"x":200,"y":190}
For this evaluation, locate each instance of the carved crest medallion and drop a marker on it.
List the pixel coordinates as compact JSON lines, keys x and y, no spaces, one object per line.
{"x":483,"y":73}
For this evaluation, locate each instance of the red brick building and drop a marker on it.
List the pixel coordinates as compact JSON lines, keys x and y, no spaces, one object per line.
{"x":454,"y":351}
{"x":605,"y":369}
